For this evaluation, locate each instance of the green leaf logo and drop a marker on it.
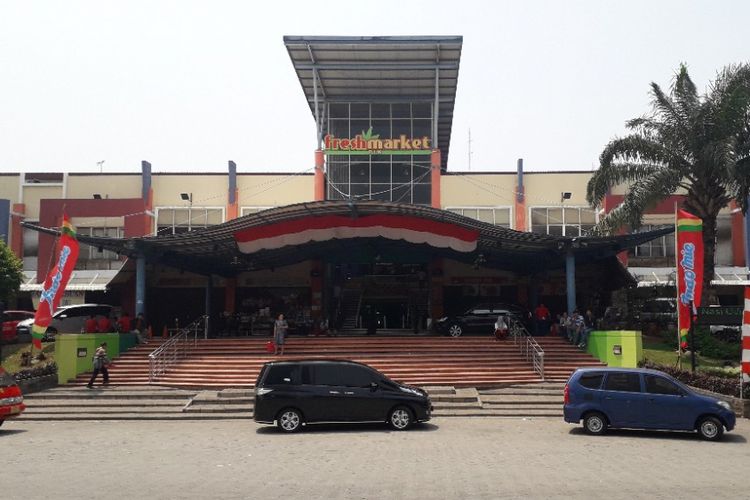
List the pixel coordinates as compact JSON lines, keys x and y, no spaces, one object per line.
{"x":368,"y":135}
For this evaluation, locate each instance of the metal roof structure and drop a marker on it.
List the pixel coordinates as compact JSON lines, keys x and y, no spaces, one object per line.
{"x":665,"y":276}
{"x":215,"y":250}
{"x":384,"y":69}
{"x":80,"y":280}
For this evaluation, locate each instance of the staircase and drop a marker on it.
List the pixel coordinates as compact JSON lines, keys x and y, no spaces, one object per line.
{"x":477,"y":362}
{"x":351,"y":298}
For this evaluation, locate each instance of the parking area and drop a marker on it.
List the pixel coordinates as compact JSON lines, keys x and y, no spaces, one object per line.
{"x":448,"y":458}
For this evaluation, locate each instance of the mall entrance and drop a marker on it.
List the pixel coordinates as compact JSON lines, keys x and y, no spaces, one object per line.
{"x":379,"y":296}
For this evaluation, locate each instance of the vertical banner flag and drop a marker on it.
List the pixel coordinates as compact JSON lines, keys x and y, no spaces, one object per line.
{"x":57,"y":279}
{"x":689,"y":256}
{"x":746,"y":338}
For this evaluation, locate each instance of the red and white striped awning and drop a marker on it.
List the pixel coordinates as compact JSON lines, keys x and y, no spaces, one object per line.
{"x":324,"y":228}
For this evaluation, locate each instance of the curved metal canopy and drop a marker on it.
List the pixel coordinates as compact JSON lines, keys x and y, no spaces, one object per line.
{"x":215,"y":250}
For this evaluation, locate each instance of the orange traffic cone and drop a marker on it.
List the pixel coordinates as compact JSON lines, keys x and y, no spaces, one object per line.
{"x":150,"y":332}
{"x":164,"y":333}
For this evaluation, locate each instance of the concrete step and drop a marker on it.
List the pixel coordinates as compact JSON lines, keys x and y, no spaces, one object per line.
{"x":137,"y":415}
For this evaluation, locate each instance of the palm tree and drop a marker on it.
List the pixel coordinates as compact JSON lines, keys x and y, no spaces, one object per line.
{"x":700,"y":144}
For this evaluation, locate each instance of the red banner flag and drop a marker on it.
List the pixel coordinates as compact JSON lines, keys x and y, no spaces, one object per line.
{"x":689,"y":257}
{"x":57,"y":279}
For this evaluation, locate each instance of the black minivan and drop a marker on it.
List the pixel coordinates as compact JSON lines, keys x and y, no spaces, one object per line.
{"x":293,"y":393}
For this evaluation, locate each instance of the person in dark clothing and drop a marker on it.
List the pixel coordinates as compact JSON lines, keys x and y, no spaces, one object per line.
{"x":101,"y":362}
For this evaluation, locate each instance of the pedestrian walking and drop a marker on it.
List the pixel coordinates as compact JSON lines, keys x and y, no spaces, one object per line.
{"x":101,"y":362}
{"x":280,"y":327}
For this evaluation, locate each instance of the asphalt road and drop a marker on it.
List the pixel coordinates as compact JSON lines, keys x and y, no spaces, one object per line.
{"x":448,"y":458}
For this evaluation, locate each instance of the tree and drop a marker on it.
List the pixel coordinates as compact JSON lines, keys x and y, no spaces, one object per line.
{"x":700,"y":144}
{"x":11,"y":273}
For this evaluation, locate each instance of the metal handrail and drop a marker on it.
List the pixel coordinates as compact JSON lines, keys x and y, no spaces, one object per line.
{"x":529,"y":347}
{"x":175,"y":348}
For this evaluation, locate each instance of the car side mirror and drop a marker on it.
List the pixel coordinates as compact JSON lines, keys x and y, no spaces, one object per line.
{"x":374,"y":386}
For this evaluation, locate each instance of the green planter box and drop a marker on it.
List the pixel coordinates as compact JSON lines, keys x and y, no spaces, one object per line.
{"x":617,"y":348}
{"x":74,"y":351}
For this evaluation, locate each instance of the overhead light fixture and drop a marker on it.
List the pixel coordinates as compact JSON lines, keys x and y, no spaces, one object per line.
{"x":565,"y":195}
{"x":187,"y":197}
{"x":97,"y":196}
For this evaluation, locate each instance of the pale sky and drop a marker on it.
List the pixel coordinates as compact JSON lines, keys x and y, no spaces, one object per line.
{"x":189,"y":85}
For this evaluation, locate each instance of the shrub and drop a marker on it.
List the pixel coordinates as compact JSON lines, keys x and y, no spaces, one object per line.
{"x":37,"y":371}
{"x":702,"y":380}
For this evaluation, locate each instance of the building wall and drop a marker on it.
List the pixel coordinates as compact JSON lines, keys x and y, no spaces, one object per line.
{"x":106,"y":185}
{"x":457,"y":189}
{"x":273,"y":190}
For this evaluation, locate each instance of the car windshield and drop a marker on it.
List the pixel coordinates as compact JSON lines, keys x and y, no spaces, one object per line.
{"x":6,"y":380}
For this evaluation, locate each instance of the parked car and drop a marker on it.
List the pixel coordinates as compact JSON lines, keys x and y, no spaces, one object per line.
{"x":11,"y":399}
{"x":295,"y":393}
{"x":9,"y":321}
{"x":641,"y":399}
{"x":480,"y":319}
{"x":67,"y":319}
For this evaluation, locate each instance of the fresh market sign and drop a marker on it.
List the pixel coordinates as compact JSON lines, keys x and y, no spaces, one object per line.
{"x":366,"y":144}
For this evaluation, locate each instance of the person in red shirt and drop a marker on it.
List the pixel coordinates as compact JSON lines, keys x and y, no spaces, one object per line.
{"x":104,"y":325}
{"x":541,"y":317}
{"x":91,"y":325}
{"x":124,"y":323}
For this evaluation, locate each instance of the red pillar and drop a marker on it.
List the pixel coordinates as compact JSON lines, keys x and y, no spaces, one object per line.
{"x":738,"y":237}
{"x":435,"y":164}
{"x":230,"y":294}
{"x":320,"y":185}
{"x":520,"y":209}
{"x":16,"y":231}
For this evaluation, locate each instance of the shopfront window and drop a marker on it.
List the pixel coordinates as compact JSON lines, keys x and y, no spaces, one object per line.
{"x":563,"y":221}
{"x":171,"y":220}
{"x":661,"y":247}
{"x":91,"y":257}
{"x":499,"y":216}
{"x":401,"y":178}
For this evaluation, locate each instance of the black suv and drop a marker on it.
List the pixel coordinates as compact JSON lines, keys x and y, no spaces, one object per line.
{"x":480,"y":319}
{"x":293,"y":393}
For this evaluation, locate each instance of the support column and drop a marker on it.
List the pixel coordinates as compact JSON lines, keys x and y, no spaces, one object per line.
{"x":520,"y":201}
{"x":436,"y":284}
{"x":233,"y":208}
{"x":570,"y":280}
{"x":435,"y":165}
{"x":230,"y":295}
{"x":17,"y":216}
{"x":319,"y":181}
{"x":209,"y":290}
{"x":140,"y":285}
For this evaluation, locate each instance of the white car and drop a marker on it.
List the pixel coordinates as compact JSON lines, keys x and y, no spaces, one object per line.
{"x":67,"y":319}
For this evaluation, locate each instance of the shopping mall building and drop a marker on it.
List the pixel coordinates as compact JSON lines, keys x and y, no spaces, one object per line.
{"x":381,"y":222}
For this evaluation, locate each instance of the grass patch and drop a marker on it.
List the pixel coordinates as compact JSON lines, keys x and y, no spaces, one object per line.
{"x":664,"y":354}
{"x":11,"y":355}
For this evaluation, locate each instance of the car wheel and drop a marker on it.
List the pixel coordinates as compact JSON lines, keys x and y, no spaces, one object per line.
{"x":455,"y":330}
{"x":289,"y":420}
{"x":400,"y":418}
{"x":595,"y":423}
{"x":710,"y":428}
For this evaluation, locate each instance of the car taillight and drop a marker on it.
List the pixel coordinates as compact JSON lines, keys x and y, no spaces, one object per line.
{"x":566,"y":395}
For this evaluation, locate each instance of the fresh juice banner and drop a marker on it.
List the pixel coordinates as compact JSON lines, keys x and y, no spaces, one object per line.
{"x":57,"y":279}
{"x":689,"y":257}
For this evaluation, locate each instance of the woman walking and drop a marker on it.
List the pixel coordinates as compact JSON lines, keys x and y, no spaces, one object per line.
{"x":280,"y":328}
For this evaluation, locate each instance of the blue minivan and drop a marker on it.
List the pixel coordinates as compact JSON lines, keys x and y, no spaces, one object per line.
{"x":641,"y":399}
